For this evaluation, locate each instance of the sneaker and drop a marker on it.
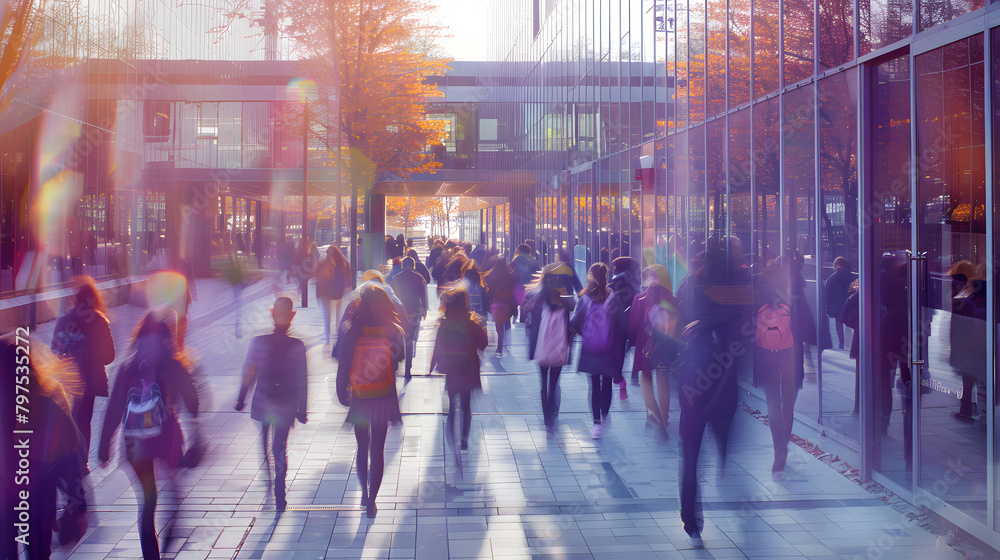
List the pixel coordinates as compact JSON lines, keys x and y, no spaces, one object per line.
{"x":597,"y":431}
{"x":622,"y":390}
{"x":694,"y":539}
{"x":549,"y":429}
{"x":498,"y":354}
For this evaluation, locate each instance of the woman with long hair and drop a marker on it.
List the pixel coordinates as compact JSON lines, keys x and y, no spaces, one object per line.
{"x":366,"y":382}
{"x":653,"y":321}
{"x":333,"y":280}
{"x":84,"y":334}
{"x":152,"y":386}
{"x":600,"y":320}
{"x":547,"y":309}
{"x":500,"y":282}
{"x":459,"y":337}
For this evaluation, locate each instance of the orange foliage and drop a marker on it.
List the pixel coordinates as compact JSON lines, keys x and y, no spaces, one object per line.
{"x":18,"y":32}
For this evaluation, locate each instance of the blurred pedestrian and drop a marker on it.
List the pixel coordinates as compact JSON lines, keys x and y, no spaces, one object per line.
{"x":84,"y":334}
{"x":523,"y":266}
{"x":44,"y":434}
{"x":366,"y":383}
{"x":276,"y":364}
{"x":411,"y":290}
{"x":835,"y":294}
{"x":653,"y":321}
{"x":460,"y":337}
{"x":419,"y":266}
{"x":603,"y":326}
{"x":151,"y":387}
{"x":500,"y":283}
{"x":332,"y":282}
{"x":234,"y":274}
{"x":547,"y":311}
{"x":475,"y":287}
{"x":303,"y":264}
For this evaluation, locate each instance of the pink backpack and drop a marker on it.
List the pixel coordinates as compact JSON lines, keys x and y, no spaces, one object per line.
{"x":552,"y":347}
{"x":774,"y":327}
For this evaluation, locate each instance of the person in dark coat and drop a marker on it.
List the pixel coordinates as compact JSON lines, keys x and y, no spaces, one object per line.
{"x":400,"y":247}
{"x":276,"y":363}
{"x":432,"y":257}
{"x":155,"y":361}
{"x":626,"y":280}
{"x":47,"y":437}
{"x":370,"y":412}
{"x":411,"y":290}
{"x":333,"y":280}
{"x":523,"y":266}
{"x":419,"y":266}
{"x":478,"y":254}
{"x":968,"y":338}
{"x":605,"y":365}
{"x":500,"y":283}
{"x":563,"y":257}
{"x":835,"y":294}
{"x":460,"y":337}
{"x":84,"y":334}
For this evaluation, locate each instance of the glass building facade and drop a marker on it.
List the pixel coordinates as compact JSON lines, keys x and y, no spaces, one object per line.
{"x":820,"y":129}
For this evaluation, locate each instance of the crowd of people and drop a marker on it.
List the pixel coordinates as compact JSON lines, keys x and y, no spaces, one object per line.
{"x":689,"y":335}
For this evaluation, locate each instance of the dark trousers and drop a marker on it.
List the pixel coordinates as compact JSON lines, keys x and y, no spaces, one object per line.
{"x":465,"y":398}
{"x":148,"y":541}
{"x":278,"y":449}
{"x":83,"y":413}
{"x":600,"y":395}
{"x":371,"y":444}
{"x":550,"y":388}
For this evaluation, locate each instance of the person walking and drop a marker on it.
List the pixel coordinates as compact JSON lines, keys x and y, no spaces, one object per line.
{"x":653,"y":320}
{"x":332,"y":282}
{"x":500,"y":283}
{"x":547,"y":312}
{"x":411,"y":290}
{"x":523,"y":266}
{"x":84,"y":335}
{"x":835,"y":295}
{"x":152,"y":386}
{"x":460,"y":337}
{"x":601,"y":321}
{"x":419,"y":266}
{"x":276,"y":368}
{"x":366,"y":383}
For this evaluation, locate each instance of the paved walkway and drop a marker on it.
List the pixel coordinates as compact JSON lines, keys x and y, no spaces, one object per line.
{"x":520,"y":493}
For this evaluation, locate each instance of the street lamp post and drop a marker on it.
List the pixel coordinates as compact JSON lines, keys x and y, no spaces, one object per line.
{"x":305,"y":199}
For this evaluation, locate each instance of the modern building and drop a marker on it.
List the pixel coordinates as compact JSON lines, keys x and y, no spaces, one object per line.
{"x":822,"y":129}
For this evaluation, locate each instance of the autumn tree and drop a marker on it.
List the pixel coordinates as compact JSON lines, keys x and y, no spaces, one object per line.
{"x":18,"y":29}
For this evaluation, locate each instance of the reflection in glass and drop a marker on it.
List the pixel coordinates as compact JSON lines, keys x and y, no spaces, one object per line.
{"x":740,"y":169}
{"x":696,"y":57}
{"x":951,"y":196}
{"x":696,"y":182}
{"x":766,"y":119}
{"x":716,"y":57}
{"x":765,"y":47}
{"x":715,"y":178}
{"x":882,"y":22}
{"x":739,"y":52}
{"x":891,"y":220}
{"x":681,"y":90}
{"x":835,"y":33}
{"x":798,"y":47}
{"x":933,"y":12}
{"x":838,"y":176}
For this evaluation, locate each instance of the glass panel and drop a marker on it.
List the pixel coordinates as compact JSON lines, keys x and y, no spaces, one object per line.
{"x":883,"y":22}
{"x":740,"y":225}
{"x":933,"y":12}
{"x":696,"y":50}
{"x":890,"y":208}
{"x":766,"y":119}
{"x":838,"y":176}
{"x":681,"y":105}
{"x":715,"y":177}
{"x":765,"y":47}
{"x":836,"y":33}
{"x":739,"y":52}
{"x":798,"y":48}
{"x":995,"y":91}
{"x":951,"y":197}
{"x":799,"y":231}
{"x":716,"y":53}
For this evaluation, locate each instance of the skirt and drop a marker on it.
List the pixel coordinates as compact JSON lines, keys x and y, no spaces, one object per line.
{"x":377,"y":411}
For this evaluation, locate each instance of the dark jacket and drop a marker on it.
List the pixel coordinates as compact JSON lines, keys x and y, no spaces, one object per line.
{"x":836,"y":292}
{"x":525,"y":267}
{"x":419,"y":266}
{"x":84,"y":334}
{"x":277,"y":363}
{"x":433,"y":257}
{"x":411,"y":289}
{"x":468,"y":336}
{"x":613,"y":361}
{"x":638,"y":334}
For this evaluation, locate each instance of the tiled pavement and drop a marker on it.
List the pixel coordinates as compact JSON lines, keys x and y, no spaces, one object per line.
{"x":520,"y":493}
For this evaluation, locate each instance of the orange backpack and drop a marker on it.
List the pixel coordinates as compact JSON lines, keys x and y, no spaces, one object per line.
{"x":373,"y":371}
{"x":774,"y":327}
